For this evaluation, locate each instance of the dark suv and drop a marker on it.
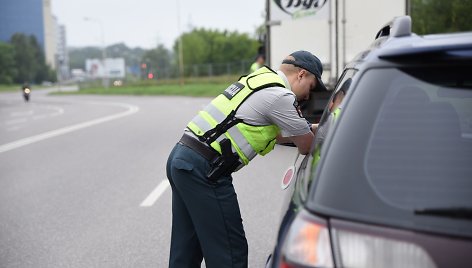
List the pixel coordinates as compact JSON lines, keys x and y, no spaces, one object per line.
{"x":389,"y":182}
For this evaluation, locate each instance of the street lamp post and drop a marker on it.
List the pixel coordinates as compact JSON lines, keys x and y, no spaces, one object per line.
{"x":181,"y":56}
{"x":268,"y":24}
{"x":104,"y":53}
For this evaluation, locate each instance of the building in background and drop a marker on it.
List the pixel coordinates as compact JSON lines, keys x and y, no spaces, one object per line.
{"x":50,"y":33}
{"x":62,"y":55}
{"x":34,"y":17}
{"x":22,"y":16}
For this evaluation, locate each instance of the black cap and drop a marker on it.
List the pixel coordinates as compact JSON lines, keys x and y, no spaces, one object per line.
{"x":309,"y":62}
{"x":260,"y":56}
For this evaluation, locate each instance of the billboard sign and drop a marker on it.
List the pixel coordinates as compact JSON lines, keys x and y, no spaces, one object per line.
{"x":113,"y":68}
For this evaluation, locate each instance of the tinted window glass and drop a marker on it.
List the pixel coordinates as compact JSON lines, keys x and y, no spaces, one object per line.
{"x":344,"y":84}
{"x":334,"y":102}
{"x":420,"y":151}
{"x":403,"y":142}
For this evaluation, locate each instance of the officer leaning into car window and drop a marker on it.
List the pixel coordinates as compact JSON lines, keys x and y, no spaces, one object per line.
{"x":335,"y":108}
{"x":245,"y":120}
{"x":260,"y":60}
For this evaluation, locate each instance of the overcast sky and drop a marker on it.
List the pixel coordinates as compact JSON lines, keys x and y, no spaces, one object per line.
{"x":146,"y":23}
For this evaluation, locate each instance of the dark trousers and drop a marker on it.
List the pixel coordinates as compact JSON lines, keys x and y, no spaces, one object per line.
{"x":206,"y":221}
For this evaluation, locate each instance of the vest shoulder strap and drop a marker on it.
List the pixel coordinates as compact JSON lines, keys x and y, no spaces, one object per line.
{"x":263,"y":78}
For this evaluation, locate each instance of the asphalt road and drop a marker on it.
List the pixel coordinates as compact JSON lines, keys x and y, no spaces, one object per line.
{"x":82,"y":181}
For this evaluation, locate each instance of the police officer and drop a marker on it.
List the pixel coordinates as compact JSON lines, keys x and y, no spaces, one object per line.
{"x":245,"y":120}
{"x":260,"y":60}
{"x":335,"y":108}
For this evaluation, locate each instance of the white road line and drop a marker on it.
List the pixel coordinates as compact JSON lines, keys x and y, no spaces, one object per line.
{"x":25,"y":113}
{"x":158,"y":191}
{"x":54,"y":133}
{"x":37,"y":117}
{"x":15,"y":121}
{"x":466,"y":135}
{"x":14,"y":128}
{"x":59,"y":110}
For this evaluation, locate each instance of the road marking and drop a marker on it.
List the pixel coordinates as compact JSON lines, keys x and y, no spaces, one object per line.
{"x":15,"y":121}
{"x":25,"y":113}
{"x":14,"y":128}
{"x":466,"y":135}
{"x":154,"y":195}
{"x":59,"y":110}
{"x":38,"y":117}
{"x":54,"y":133}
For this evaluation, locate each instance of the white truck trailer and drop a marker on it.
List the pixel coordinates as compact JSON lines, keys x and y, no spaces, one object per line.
{"x":333,"y":30}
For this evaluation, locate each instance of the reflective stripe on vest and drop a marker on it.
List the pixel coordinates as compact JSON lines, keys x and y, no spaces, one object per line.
{"x":213,"y":115}
{"x":246,"y":140}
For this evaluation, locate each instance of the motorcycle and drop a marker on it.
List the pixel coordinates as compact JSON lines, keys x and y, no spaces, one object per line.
{"x":26,"y":93}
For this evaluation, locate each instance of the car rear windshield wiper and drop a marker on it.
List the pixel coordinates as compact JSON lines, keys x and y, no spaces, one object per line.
{"x":449,"y":212}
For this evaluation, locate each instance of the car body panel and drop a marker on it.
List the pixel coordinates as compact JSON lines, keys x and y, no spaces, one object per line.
{"x":421,"y":87}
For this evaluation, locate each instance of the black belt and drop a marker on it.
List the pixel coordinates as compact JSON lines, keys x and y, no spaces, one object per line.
{"x":199,"y":147}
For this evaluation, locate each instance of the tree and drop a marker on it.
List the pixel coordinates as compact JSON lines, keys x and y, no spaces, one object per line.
{"x":43,"y":72}
{"x":132,"y":56}
{"x":439,"y":16}
{"x":8,"y":69}
{"x":25,"y":54}
{"x":29,"y":60}
{"x":158,"y":61}
{"x":201,"y":46}
{"x":77,"y":56}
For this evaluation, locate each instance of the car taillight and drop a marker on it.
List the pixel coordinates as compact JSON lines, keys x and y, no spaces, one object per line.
{"x":307,"y":244}
{"x":362,"y":250}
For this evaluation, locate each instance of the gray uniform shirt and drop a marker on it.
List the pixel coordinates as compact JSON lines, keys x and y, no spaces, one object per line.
{"x":274,"y":105}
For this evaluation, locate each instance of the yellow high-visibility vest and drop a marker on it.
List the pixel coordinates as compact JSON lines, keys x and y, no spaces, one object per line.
{"x":246,"y":140}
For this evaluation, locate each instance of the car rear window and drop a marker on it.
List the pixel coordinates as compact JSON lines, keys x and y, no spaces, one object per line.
{"x":420,"y":151}
{"x":402,"y":143}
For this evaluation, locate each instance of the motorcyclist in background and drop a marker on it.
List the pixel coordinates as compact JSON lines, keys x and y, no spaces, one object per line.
{"x":26,"y":91}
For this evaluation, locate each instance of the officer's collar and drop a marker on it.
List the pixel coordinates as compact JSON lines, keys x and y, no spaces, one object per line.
{"x":284,"y":77}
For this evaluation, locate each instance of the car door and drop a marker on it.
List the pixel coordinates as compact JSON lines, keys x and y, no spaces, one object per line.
{"x":304,"y":166}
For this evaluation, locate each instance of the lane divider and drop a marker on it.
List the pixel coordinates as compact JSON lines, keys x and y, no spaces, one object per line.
{"x":131,"y":109}
{"x":155,"y":194}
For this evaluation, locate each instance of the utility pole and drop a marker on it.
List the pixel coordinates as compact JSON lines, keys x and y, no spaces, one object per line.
{"x":269,"y":24}
{"x":267,"y":41}
{"x":336,"y":39}
{"x":181,"y":56}
{"x":104,"y":52}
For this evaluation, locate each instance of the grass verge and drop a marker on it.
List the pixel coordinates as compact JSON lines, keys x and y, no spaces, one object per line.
{"x":196,"y":90}
{"x":10,"y":88}
{"x":196,"y":87}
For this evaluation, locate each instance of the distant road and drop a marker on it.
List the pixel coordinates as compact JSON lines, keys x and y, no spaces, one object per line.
{"x":82,"y":181}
